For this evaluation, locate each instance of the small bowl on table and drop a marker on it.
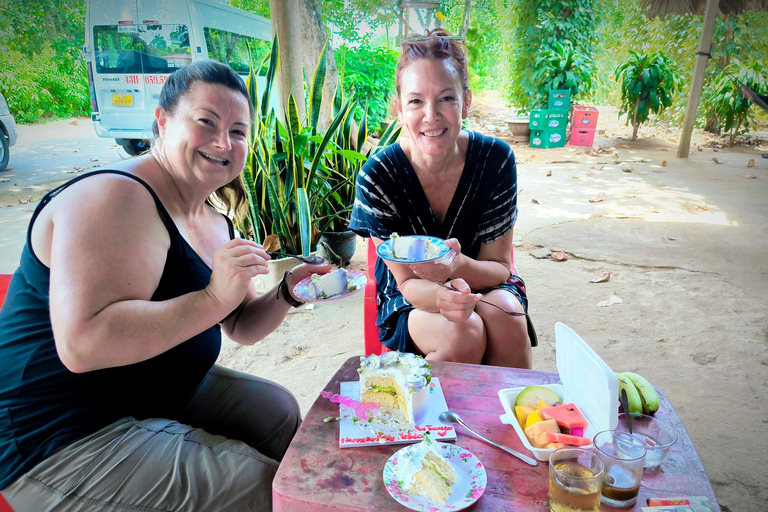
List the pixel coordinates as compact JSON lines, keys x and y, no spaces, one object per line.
{"x":657,"y":436}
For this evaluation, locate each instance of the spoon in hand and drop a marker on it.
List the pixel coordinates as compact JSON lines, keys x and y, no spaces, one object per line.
{"x":312,"y":260}
{"x":452,"y":417}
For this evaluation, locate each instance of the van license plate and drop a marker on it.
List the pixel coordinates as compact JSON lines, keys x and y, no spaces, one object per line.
{"x":122,"y":100}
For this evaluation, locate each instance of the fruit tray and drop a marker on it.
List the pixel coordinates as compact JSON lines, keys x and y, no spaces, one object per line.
{"x":586,"y":381}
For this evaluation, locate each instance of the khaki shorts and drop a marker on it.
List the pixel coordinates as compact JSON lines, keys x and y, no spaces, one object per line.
{"x":164,"y":465}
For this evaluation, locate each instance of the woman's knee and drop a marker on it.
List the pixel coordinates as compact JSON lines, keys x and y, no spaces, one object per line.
{"x":466,"y":341}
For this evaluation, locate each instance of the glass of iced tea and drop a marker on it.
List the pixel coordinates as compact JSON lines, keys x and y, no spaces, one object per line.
{"x":575,"y":477}
{"x":623,"y":457}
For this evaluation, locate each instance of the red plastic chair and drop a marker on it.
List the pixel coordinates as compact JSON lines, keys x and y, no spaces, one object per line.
{"x":5,"y":280}
{"x":370,"y":308}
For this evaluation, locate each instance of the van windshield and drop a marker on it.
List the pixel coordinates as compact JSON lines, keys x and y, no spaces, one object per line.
{"x":141,"y":48}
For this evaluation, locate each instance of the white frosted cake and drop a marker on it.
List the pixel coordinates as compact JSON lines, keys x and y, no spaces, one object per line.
{"x":396,"y":380}
{"x":425,"y":471}
{"x":330,"y":284}
{"x":410,"y":248}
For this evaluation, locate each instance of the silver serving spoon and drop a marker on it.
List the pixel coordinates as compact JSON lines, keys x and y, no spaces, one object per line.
{"x":312,"y":260}
{"x":452,"y":417}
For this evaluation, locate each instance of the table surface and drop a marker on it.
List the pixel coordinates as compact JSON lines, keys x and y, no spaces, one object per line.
{"x":317,"y":475}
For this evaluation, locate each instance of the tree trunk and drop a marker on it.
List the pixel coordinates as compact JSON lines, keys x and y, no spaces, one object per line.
{"x":734,"y":131}
{"x":313,"y":37}
{"x":465,"y":19}
{"x":635,"y":126}
{"x":285,"y":23}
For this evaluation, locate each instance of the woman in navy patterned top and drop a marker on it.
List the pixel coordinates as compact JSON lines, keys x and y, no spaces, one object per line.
{"x":461,"y":186}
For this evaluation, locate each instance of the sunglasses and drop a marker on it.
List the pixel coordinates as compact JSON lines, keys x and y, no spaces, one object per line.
{"x":416,"y":39}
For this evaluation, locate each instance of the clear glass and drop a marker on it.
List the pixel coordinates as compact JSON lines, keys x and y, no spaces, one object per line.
{"x":575,"y":478}
{"x":657,"y":436}
{"x":623,"y":457}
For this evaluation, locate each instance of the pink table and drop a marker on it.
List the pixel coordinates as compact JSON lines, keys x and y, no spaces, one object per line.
{"x":317,"y":475}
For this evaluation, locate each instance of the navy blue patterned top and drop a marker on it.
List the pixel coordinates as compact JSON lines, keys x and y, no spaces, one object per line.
{"x":389,"y":198}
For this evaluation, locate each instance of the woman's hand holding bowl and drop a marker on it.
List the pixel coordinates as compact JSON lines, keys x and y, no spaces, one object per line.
{"x":439,"y":271}
{"x":458,"y":304}
{"x":303,"y":271}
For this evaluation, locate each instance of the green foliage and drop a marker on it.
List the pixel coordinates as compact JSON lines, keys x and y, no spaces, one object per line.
{"x":533,"y":28}
{"x":368,"y":75}
{"x":726,"y":102}
{"x":286,"y":165}
{"x":560,"y":67}
{"x":349,"y":153}
{"x":647,"y":84}
{"x":42,"y":74}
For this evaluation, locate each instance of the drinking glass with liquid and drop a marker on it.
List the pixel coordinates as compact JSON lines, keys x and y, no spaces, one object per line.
{"x":623,"y":457}
{"x":575,"y":477}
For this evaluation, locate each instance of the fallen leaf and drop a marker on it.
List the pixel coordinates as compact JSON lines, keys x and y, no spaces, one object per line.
{"x":73,"y":122}
{"x":664,"y":163}
{"x":750,"y":177}
{"x":535,"y":201}
{"x":751,"y":162}
{"x":671,"y":238}
{"x":700,"y":148}
{"x":271,"y":243}
{"x":623,"y":146}
{"x":627,"y":169}
{"x":94,"y":159}
{"x":69,"y":172}
{"x":603,"y":278}
{"x":560,"y":256}
{"x":533,"y":156}
{"x":24,"y":201}
{"x":716,"y":161}
{"x":549,"y":173}
{"x":598,"y":198}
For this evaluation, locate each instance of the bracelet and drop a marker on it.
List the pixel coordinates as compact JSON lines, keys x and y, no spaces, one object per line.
{"x":282,"y":289}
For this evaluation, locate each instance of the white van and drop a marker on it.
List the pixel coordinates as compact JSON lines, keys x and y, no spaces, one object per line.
{"x":131,"y":46}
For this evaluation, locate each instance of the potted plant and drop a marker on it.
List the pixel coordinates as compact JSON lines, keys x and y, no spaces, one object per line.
{"x":282,"y":177}
{"x":346,"y":155}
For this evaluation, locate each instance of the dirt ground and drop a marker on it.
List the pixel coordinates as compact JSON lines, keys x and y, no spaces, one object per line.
{"x":685,"y":243}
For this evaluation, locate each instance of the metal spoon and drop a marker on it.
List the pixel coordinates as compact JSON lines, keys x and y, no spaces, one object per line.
{"x":312,"y":260}
{"x":625,"y":404}
{"x":452,"y":417}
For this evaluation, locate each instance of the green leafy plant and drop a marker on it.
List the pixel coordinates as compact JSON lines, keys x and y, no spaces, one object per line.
{"x":282,"y":179}
{"x":648,"y":82}
{"x":368,"y":75}
{"x":561,"y":67}
{"x":727,"y":103}
{"x":347,"y":155}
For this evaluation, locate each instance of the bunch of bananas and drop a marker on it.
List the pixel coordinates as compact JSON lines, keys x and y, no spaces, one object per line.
{"x":641,"y":396}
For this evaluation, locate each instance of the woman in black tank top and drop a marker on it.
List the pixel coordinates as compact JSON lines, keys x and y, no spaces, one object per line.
{"x":111,"y":327}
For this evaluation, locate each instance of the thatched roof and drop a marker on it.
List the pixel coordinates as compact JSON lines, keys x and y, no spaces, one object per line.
{"x":730,"y":7}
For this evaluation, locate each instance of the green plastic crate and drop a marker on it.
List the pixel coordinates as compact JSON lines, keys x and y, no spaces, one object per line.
{"x":535,"y":118}
{"x":560,"y":99}
{"x":548,"y":138}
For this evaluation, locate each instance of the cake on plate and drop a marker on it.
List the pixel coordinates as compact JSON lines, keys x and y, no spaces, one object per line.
{"x":425,"y":472}
{"x":411,"y":247}
{"x":396,"y":380}
{"x":330,"y":284}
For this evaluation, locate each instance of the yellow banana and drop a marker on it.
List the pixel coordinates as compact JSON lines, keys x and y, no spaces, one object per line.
{"x":633,"y":396}
{"x":648,"y":394}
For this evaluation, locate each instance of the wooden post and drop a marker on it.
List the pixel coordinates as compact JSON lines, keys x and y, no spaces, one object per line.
{"x":699,"y":67}
{"x":286,"y":22}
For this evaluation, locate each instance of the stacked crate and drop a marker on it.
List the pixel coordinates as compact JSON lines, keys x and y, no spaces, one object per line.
{"x":548,"y":126}
{"x":583,"y":125}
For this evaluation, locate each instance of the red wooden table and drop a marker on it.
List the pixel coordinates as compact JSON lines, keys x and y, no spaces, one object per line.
{"x":317,"y":475}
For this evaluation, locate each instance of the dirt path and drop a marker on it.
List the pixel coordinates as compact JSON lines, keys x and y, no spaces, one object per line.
{"x":685,"y":243}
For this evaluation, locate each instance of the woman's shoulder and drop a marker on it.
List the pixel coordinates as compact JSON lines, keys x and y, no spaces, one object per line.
{"x":491,"y":143}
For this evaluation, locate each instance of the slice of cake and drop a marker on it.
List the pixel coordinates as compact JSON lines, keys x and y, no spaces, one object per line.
{"x":399,"y":381}
{"x":425,"y":472}
{"x":411,"y":247}
{"x":330,"y":284}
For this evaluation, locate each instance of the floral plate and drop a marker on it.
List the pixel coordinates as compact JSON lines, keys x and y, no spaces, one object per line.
{"x":469,"y":486}
{"x":385,"y":251}
{"x":356,"y":279}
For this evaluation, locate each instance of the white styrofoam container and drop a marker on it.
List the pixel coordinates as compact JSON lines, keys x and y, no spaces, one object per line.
{"x":586,"y":381}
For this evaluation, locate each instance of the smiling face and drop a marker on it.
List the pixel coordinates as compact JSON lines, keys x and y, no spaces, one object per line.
{"x":206,"y":135}
{"x":431,"y":105}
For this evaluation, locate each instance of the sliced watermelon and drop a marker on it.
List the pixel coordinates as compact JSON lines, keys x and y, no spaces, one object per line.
{"x":577,"y":431}
{"x":566,"y":415}
{"x":554,"y":437}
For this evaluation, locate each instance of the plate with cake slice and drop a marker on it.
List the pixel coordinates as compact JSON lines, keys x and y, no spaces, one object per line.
{"x":331,"y":286}
{"x":432,"y":476}
{"x":412,"y":249}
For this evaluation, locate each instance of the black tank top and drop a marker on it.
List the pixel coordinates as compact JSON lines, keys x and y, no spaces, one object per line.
{"x":44,"y":406}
